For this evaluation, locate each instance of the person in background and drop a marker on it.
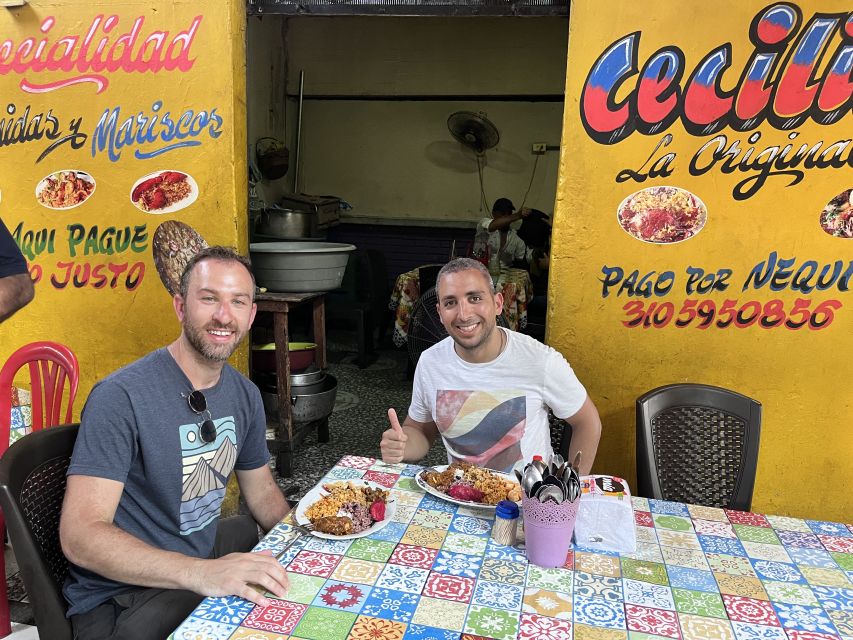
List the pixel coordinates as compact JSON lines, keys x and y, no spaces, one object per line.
{"x":487,"y":390}
{"x":502,"y":238}
{"x":158,"y":439}
{"x":16,"y":285}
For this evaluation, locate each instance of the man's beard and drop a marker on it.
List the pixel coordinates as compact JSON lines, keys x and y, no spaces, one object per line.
{"x":217,"y":353}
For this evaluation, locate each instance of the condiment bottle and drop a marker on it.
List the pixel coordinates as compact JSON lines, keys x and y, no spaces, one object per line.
{"x":506,"y":523}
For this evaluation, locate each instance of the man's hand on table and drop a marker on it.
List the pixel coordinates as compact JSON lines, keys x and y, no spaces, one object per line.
{"x":393,"y":444}
{"x":238,"y":574}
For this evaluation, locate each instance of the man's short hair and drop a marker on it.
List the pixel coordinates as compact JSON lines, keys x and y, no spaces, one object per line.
{"x":503,"y":206}
{"x":224,"y":254}
{"x":464,"y":264}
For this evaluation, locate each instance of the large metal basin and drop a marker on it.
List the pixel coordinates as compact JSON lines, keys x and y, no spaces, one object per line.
{"x":309,"y":402}
{"x":299,"y":267}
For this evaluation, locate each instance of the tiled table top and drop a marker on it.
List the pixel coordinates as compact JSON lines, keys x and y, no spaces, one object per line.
{"x":434,"y":573}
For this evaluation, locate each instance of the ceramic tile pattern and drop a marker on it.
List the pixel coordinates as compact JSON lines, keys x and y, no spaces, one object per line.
{"x":699,"y":574}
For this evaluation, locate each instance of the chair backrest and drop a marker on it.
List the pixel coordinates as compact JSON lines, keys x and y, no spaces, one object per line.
{"x":561,"y":435}
{"x":698,"y":444}
{"x":32,"y":487}
{"x":52,"y":367}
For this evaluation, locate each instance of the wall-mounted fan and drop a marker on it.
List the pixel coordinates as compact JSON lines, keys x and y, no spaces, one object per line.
{"x":474,"y":130}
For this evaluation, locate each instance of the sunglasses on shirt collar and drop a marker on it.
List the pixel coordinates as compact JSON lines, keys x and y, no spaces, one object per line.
{"x":198,"y":405}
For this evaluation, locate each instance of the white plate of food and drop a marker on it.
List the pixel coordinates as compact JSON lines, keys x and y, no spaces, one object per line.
{"x":65,"y":189}
{"x":487,"y":487}
{"x":164,"y":192}
{"x":662,"y":215}
{"x":329,"y":505}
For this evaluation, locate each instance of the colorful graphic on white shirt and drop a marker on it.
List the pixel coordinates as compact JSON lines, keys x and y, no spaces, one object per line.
{"x":206,"y":467}
{"x":482,"y":427}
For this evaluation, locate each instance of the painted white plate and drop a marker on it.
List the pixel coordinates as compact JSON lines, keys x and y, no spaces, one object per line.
{"x":463,"y":503}
{"x":318,"y":492}
{"x":660,"y":205}
{"x":80,"y":175}
{"x":175,"y":206}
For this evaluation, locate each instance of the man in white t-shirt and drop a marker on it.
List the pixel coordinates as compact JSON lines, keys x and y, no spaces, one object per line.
{"x":487,"y":390}
{"x":501,"y":237}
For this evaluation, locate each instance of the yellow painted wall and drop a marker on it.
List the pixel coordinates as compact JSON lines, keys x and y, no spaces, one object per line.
{"x":110,"y":326}
{"x":801,"y":377}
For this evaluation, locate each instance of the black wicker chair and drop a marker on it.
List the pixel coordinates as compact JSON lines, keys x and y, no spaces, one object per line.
{"x":561,"y":435}
{"x":698,"y":444}
{"x":32,"y":487}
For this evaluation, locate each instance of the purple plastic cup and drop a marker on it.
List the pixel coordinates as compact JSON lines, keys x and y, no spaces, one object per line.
{"x":548,"y":529}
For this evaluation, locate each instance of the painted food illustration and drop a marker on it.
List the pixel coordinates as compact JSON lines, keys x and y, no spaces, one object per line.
{"x":164,"y":192}
{"x":65,"y":189}
{"x":837,"y":216}
{"x":173,"y":245}
{"x":662,"y":215}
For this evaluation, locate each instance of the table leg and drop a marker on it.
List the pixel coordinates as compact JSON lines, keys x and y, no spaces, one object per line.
{"x":285,"y":408}
{"x":323,"y":430}
{"x":320,"y":330}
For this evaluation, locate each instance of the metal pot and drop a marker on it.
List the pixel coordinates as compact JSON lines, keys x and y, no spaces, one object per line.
{"x":285,"y":223}
{"x":310,"y":402}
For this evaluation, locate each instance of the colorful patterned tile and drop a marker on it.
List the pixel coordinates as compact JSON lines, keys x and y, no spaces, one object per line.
{"x":410,"y":498}
{"x":431,"y":502}
{"x":699,"y":603}
{"x":640,"y":503}
{"x":644,"y":571}
{"x":384,"y":479}
{"x":536,"y":627}
{"x":715,"y":544}
{"x":393,"y":532}
{"x":701,"y":628}
{"x":812,"y":557}
{"x":678,"y":539}
{"x":395,"y":468}
{"x":324,"y":624}
{"x":834,"y":598}
{"x":696,"y":579}
{"x":650,"y":552}
{"x":278,"y":617}
{"x":799,"y":539}
{"x":492,"y":623}
{"x":594,"y":586}
{"x":786,"y":523}
{"x":303,"y":588}
{"x":471,"y":526}
{"x":734,"y":565}
{"x":458,"y":564}
{"x":411,"y":470}
{"x":589,"y":632}
{"x":750,"y":610}
{"x":698,"y":512}
{"x":342,"y":596}
{"x":370,"y":549}
{"x":463,"y":543}
{"x":443,"y":614}
{"x":747,"y":631}
{"x":502,"y":571}
{"x":321,"y":545}
{"x":599,"y":613}
{"x":456,"y":588}
{"x":826,"y":577}
{"x":356,"y":462}
{"x":547,"y":603}
{"x":790,"y":593}
{"x":823,"y":527}
{"x":231,"y":610}
{"x":390,"y":604}
{"x":408,"y":485}
{"x":778,"y":571}
{"x":193,"y":628}
{"x":314,"y":564}
{"x":551,"y":579}
{"x":673,"y":523}
{"x":636,"y":635}
{"x":420,"y":536}
{"x":432,"y":519}
{"x":843,"y":621}
{"x":404,"y":513}
{"x":794,"y":634}
{"x":659,"y":622}
{"x":354,"y":570}
{"x":367,"y":628}
{"x":667,"y":507}
{"x":714,"y":528}
{"x":837,"y":543}
{"x":643,"y":519}
{"x":497,"y":595}
{"x":509,"y":554}
{"x":646,"y":535}
{"x":422,"y":632}
{"x":751,"y":533}
{"x":692,"y":558}
{"x":242,"y":633}
{"x":762,"y":551}
{"x":797,"y":616}
{"x":412,"y":556}
{"x":647,"y":594}
{"x":744,"y":586}
{"x":400,"y":578}
{"x":745,"y":517}
{"x":844,"y":560}
{"x":601,"y":564}
{"x":344,"y":473}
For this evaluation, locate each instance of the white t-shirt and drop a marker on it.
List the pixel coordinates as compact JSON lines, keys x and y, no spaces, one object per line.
{"x":495,"y":414}
{"x":514,"y":249}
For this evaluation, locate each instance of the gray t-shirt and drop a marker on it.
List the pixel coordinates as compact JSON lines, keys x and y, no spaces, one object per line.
{"x":138,"y":429}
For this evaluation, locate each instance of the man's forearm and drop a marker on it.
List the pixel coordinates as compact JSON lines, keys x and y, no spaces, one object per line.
{"x":503,"y":222}
{"x":16,"y":292}
{"x":585,"y":439}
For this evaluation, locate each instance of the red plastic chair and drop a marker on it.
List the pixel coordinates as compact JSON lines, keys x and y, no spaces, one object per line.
{"x":53,"y":368}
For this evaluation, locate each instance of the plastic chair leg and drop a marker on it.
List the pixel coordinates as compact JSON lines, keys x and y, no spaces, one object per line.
{"x":5,"y":617}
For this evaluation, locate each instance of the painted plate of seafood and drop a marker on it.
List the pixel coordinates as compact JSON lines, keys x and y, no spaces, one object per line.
{"x":164,"y":191}
{"x":320,"y":492}
{"x":438,"y":493}
{"x":65,"y":189}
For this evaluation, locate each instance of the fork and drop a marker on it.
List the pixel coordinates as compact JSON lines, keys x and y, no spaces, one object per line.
{"x":304,"y":529}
